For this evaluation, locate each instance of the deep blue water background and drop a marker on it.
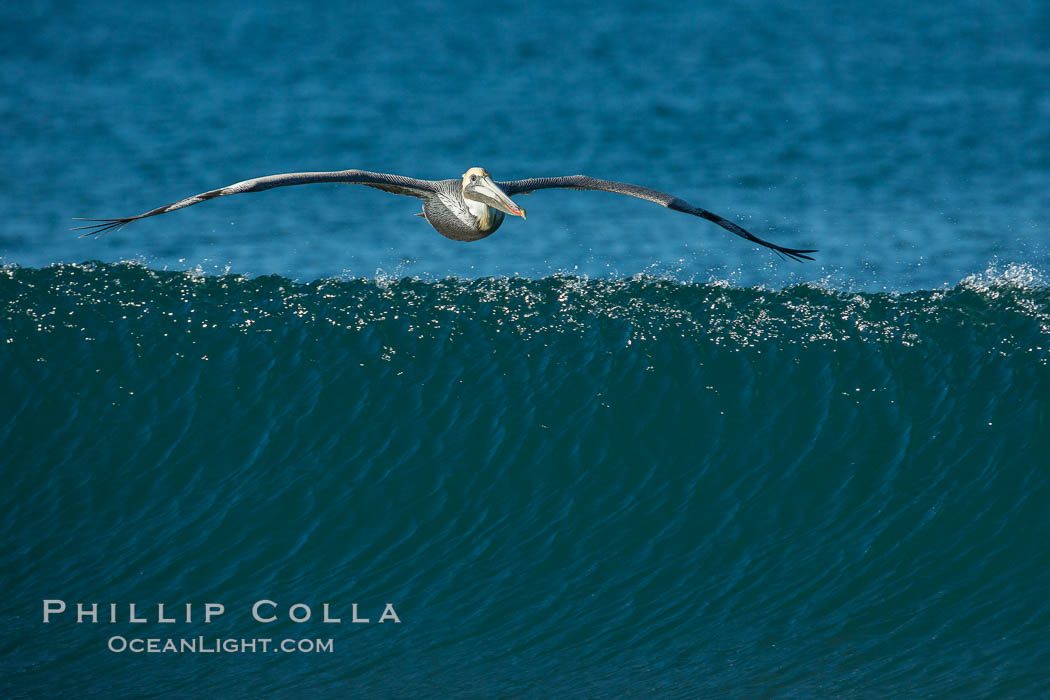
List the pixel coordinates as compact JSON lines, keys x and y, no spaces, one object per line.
{"x":908,"y":141}
{"x":610,"y":450}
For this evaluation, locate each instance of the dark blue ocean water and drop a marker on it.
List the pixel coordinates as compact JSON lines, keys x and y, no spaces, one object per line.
{"x":908,"y":141}
{"x":610,"y":450}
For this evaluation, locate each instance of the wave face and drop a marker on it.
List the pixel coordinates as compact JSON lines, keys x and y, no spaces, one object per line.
{"x":565,"y":486}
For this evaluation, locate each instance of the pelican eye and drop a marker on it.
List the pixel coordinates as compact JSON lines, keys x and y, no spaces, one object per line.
{"x":473,"y":178}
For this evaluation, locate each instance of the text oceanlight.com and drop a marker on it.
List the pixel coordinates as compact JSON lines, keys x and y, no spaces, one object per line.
{"x":169,"y":616}
{"x":202,"y":645}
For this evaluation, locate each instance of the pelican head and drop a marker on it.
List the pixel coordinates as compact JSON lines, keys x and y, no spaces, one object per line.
{"x":479,"y":187}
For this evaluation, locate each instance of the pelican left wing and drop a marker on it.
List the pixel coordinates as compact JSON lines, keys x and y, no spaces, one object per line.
{"x":582,"y":182}
{"x":395,"y":184}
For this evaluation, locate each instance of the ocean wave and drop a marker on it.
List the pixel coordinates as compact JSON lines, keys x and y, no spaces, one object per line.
{"x":540,"y":465}
{"x":135,"y":299}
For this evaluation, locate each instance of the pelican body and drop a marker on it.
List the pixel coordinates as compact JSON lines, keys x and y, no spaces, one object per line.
{"x":466,"y":209}
{"x":470,"y":208}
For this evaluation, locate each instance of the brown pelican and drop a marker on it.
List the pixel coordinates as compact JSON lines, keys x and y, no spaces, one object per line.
{"x":467,"y":209}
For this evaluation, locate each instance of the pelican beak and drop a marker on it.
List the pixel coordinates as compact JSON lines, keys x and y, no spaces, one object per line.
{"x":486,"y":191}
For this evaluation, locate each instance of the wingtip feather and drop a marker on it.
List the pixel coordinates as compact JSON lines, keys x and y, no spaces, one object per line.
{"x":102,"y":227}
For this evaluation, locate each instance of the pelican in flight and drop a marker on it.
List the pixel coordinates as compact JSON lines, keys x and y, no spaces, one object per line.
{"x":466,"y":209}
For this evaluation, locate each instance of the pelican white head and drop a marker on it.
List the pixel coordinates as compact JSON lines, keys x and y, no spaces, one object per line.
{"x":478,"y":186}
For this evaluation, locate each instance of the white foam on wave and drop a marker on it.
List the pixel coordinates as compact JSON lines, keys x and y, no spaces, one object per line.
{"x":1010,"y":275}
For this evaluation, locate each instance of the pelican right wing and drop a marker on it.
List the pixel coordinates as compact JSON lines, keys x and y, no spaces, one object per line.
{"x":582,"y":182}
{"x":395,"y":184}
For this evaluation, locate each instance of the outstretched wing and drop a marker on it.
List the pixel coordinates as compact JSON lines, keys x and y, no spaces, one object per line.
{"x":395,"y":184}
{"x":582,"y":182}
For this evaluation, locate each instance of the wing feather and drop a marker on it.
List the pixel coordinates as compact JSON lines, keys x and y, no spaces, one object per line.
{"x":395,"y":184}
{"x":582,"y":182}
